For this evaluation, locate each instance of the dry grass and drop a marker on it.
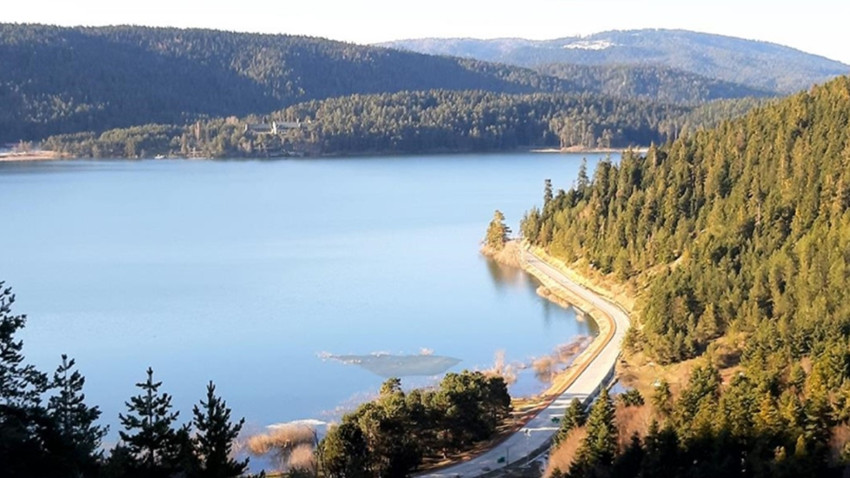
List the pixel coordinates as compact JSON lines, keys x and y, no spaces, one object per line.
{"x":838,"y":441}
{"x":631,"y":420}
{"x":568,"y":351}
{"x":508,"y":255}
{"x":283,"y":444}
{"x":564,"y":455}
{"x":501,"y":369}
{"x":548,"y":367}
{"x":637,"y":371}
{"x":547,"y":294}
{"x":544,"y":368}
{"x":302,"y":458}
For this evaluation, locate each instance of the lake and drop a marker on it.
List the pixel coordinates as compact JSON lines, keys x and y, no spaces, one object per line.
{"x":250,"y":273}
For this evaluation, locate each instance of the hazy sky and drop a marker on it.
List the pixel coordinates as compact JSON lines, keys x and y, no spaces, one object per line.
{"x":815,"y":26}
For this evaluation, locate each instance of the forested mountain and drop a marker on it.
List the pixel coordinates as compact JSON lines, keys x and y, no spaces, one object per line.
{"x":405,"y":122}
{"x":60,"y":80}
{"x":760,"y":65}
{"x":56,"y":80}
{"x":656,"y":83}
{"x":741,"y":233}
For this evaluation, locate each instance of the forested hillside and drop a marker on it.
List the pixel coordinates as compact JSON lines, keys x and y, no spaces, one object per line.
{"x":760,"y":65}
{"x":61,"y":80}
{"x":656,"y":83}
{"x":56,"y":80}
{"x":741,"y":233}
{"x":406,"y":122}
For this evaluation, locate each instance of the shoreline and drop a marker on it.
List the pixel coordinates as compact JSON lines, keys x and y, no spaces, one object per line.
{"x":557,"y":293}
{"x":513,"y":255}
{"x":584,"y":150}
{"x":39,"y":155}
{"x":45,"y":155}
{"x":592,"y":370}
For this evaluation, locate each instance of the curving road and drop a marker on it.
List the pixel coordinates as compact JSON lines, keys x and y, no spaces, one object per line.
{"x":538,"y":432}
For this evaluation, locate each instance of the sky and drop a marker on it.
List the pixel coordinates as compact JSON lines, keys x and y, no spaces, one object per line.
{"x":814,"y":26}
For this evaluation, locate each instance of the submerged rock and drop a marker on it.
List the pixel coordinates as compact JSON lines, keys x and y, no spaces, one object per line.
{"x":387,"y":365}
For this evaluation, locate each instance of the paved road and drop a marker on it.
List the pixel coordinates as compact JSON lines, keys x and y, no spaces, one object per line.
{"x":541,"y":428}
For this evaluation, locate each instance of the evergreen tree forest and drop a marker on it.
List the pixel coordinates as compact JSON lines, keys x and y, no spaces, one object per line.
{"x":60,"y":80}
{"x":650,"y":82}
{"x":739,"y":234}
{"x":413,"y":122}
{"x":56,"y":80}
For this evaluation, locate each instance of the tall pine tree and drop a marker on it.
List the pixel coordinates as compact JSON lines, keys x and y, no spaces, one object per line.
{"x":596,"y":454}
{"x":78,"y":438}
{"x":574,"y":416}
{"x":148,"y":432}
{"x":215,"y":437}
{"x":23,"y":419}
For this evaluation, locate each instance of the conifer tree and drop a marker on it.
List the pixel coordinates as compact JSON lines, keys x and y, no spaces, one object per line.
{"x":22,"y":416}
{"x":78,"y":438}
{"x":662,"y":398}
{"x":148,"y":432}
{"x":497,"y":232}
{"x":574,"y":416}
{"x":583,"y":182}
{"x":215,"y":437}
{"x":662,"y":451}
{"x":183,"y":457}
{"x":547,"y":192}
{"x":344,"y":452}
{"x":631,"y":398}
{"x":21,"y":385}
{"x":599,"y":448}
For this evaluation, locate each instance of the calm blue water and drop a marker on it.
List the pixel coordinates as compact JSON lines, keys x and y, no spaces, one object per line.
{"x":244,"y":272}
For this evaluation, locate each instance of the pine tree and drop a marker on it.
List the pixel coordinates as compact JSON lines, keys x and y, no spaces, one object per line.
{"x":78,"y":437}
{"x":344,"y":452}
{"x":768,"y":422}
{"x":662,"y":398}
{"x":153,"y":443}
{"x":631,"y":398}
{"x":662,"y":455}
{"x":215,"y":437}
{"x":183,"y":455}
{"x":599,"y":448}
{"x":22,"y":416}
{"x":583,"y":182}
{"x":574,"y":416}
{"x":497,"y":232}
{"x":21,"y":385}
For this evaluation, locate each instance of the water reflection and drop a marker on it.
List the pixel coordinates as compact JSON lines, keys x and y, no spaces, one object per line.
{"x":506,"y":277}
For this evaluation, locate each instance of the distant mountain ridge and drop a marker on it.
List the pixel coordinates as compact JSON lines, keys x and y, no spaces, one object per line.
{"x":64,"y":80}
{"x":761,"y":65}
{"x":56,"y":80}
{"x":649,"y":82}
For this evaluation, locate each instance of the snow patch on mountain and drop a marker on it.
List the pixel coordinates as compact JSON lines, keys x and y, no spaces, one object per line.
{"x":590,"y":45}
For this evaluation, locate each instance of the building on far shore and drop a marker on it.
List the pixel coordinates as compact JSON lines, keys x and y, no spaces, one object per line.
{"x":271,"y":128}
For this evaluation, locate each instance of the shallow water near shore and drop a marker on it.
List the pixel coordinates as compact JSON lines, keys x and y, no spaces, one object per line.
{"x":252,"y":273}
